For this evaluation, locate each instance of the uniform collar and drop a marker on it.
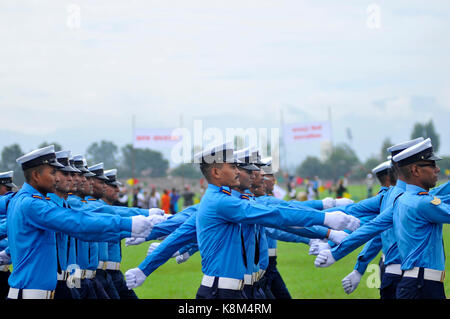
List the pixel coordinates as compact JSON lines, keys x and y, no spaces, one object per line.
{"x":414,"y":189}
{"x":27,"y":188}
{"x":400,"y":184}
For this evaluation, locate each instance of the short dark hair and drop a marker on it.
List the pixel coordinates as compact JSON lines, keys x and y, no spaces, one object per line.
{"x":27,"y":173}
{"x":205,"y":168}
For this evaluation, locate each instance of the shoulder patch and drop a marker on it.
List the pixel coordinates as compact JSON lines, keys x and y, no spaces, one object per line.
{"x":225,"y":191}
{"x":48,"y":198}
{"x":423,"y":193}
{"x":244,"y":196}
{"x":36,"y":196}
{"x":436,"y":201}
{"x":92,"y":199}
{"x":83,"y":201}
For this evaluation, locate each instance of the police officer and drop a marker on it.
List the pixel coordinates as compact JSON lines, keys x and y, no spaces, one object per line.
{"x":65,"y":245}
{"x":32,"y":221}
{"x":387,"y":178}
{"x":112,"y":263}
{"x":102,"y":279}
{"x":218,"y":224}
{"x":418,"y":221}
{"x":381,"y":224}
{"x":6,"y":187}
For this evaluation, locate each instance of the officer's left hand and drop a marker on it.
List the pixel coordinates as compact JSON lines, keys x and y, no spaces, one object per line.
{"x":316,"y":248}
{"x":152,"y":247}
{"x":337,"y":236}
{"x":351,"y":281}
{"x":5,"y":259}
{"x":134,"y":278}
{"x":324,"y":259}
{"x":343,"y":201}
{"x":182,"y":258}
{"x":155,"y":211}
{"x":140,"y":226}
{"x":328,"y":202}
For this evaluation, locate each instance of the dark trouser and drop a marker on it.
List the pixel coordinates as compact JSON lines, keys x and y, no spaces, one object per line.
{"x":121,"y":286}
{"x":248,"y":290}
{"x":274,"y":282}
{"x":106,"y":281}
{"x":388,"y":287}
{"x":62,"y":291}
{"x":87,"y":290}
{"x":258,"y":289}
{"x":419,"y":288}
{"x":214,"y":292}
{"x":99,"y":289}
{"x":4,"y":286}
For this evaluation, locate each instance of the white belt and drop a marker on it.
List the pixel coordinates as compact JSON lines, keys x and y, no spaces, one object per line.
{"x":393,"y":269}
{"x":272,"y":252}
{"x":224,"y":283}
{"x":85,"y":274}
{"x":31,"y":293}
{"x":63,"y":275}
{"x":248,"y":279}
{"x":4,"y":268}
{"x":108,"y":265}
{"x":428,"y":274}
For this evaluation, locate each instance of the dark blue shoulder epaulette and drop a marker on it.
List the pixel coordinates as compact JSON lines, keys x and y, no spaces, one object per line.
{"x":226,"y":190}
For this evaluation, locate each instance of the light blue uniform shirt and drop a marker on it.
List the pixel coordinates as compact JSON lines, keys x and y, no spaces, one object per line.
{"x":374,"y":227}
{"x":418,"y":223}
{"x":161,"y":230}
{"x":32,"y":222}
{"x":65,"y":245}
{"x":218,"y":228}
{"x":182,"y":236}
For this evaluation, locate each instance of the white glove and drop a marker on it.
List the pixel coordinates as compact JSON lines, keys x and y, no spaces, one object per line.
{"x":5,"y":259}
{"x":155,"y":211}
{"x":337,"y":236}
{"x":141,"y":226}
{"x":134,"y":241}
{"x":351,"y":281}
{"x":354,"y":223}
{"x":316,"y":248}
{"x":156,"y":219}
{"x":343,"y":201}
{"x":134,"y":278}
{"x":324,"y":259}
{"x":328,"y":202}
{"x":152,"y":247}
{"x":339,"y":221}
{"x":182,"y":258}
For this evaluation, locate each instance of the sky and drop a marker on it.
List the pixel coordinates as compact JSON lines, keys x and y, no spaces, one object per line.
{"x":76,"y":72}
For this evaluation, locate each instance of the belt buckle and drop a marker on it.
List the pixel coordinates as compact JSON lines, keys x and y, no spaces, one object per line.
{"x":104,"y":266}
{"x":241,"y":285}
{"x":51,"y":294}
{"x":83,"y":274}
{"x":443,"y":276}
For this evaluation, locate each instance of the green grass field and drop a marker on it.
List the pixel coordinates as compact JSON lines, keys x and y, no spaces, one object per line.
{"x":303,"y":279}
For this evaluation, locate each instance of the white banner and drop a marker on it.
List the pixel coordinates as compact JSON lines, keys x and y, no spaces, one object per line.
{"x":304,"y":132}
{"x":155,"y":138}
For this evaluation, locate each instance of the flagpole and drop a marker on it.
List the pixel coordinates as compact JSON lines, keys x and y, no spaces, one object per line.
{"x":133,"y":120}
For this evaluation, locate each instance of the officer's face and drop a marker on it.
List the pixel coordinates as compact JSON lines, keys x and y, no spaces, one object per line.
{"x":269,"y":182}
{"x":87,"y":186}
{"x":227,"y":174}
{"x":3,"y":189}
{"x":74,"y":185}
{"x":258,"y":187}
{"x":63,"y":181}
{"x":45,"y":179}
{"x":246,"y":178}
{"x":111,"y":193}
{"x":428,"y":173}
{"x":98,"y":187}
